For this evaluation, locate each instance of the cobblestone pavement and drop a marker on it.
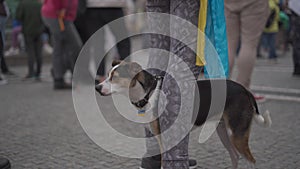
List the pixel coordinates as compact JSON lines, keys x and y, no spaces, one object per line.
{"x":39,"y":127}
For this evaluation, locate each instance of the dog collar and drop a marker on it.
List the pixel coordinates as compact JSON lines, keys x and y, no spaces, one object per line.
{"x":142,"y":103}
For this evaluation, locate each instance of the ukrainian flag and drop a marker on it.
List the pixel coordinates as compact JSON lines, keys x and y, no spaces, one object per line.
{"x":212,"y":48}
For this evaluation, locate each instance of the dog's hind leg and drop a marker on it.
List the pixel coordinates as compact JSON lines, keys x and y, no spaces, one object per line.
{"x":240,"y":141}
{"x":225,"y":139}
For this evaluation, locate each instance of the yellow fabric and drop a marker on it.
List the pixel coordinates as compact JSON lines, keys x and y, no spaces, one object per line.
{"x":200,"y":59}
{"x":274,"y":26}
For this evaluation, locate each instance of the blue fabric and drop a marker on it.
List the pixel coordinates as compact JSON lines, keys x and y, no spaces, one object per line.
{"x":217,"y":59}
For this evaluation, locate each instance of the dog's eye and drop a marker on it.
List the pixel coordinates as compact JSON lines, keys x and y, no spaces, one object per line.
{"x":115,"y":78}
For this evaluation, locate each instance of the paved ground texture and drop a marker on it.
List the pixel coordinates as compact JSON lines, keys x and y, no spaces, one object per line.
{"x":39,"y":127}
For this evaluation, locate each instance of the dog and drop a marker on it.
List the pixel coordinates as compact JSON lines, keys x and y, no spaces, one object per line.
{"x":234,"y":127}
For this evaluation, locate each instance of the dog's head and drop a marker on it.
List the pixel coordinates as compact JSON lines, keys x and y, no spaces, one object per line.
{"x":121,"y":77}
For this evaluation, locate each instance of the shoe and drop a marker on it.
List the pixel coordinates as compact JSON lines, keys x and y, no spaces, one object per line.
{"x":296,"y":74}
{"x":61,"y":85}
{"x":296,"y":71}
{"x":47,"y":49}
{"x":155,"y":163}
{"x":4,"y":163}
{"x":28,"y":77}
{"x":273,"y":60}
{"x":2,"y":81}
{"x":9,"y":73}
{"x":259,"y":98}
{"x":37,"y":79}
{"x":12,"y":52}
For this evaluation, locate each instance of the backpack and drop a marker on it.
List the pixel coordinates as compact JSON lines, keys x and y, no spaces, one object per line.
{"x":271,"y":18}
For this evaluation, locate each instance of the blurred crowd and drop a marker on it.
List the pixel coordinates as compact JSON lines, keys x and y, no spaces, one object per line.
{"x":60,"y":28}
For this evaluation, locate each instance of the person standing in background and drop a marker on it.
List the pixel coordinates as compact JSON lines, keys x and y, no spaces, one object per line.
{"x":2,"y":80}
{"x":246,"y":20}
{"x":271,"y":30}
{"x":99,"y":13}
{"x":28,"y":13}
{"x":58,"y":16}
{"x":4,"y":13}
{"x":294,"y":5}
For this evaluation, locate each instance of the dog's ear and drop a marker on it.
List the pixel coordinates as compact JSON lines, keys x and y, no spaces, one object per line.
{"x":115,"y":62}
{"x":134,"y":69}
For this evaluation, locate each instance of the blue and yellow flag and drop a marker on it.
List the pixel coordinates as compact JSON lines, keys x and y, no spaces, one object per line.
{"x":214,"y":40}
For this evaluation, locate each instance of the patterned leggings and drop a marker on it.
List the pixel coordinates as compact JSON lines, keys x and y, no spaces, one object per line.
{"x":171,"y":105}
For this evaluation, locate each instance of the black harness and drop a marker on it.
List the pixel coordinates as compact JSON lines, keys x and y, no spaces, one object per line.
{"x":142,"y":103}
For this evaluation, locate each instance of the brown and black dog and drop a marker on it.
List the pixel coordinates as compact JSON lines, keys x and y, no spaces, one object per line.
{"x":237,"y":113}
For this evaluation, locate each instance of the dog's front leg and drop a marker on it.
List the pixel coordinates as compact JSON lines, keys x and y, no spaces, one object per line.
{"x":156,"y":132}
{"x":223,"y":134}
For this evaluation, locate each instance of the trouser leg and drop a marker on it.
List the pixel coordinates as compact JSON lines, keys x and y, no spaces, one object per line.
{"x":30,"y":54}
{"x":253,"y":18}
{"x":123,"y":46}
{"x":160,"y":44}
{"x":72,"y":43}
{"x":38,"y":55}
{"x":296,"y":42}
{"x":58,"y":48}
{"x":177,"y":155}
{"x":182,"y":93}
{"x":233,"y":34}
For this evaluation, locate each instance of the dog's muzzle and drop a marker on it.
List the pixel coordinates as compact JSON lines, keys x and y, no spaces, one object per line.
{"x":99,"y":88}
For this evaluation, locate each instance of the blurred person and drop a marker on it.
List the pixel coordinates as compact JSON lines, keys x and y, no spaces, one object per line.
{"x":47,"y":48}
{"x":294,"y":5}
{"x":246,"y":20}
{"x":15,"y":45}
{"x":2,"y":80}
{"x":99,"y":13}
{"x":28,"y":13}
{"x":4,"y":13}
{"x":58,"y":16}
{"x":271,"y":30}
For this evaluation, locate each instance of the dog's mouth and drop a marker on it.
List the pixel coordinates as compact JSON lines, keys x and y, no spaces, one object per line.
{"x":98,"y":88}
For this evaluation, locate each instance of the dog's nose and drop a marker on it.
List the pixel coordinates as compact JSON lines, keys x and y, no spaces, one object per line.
{"x":98,"y":88}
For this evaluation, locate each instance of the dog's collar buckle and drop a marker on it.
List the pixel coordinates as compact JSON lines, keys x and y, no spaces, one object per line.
{"x":140,"y":104}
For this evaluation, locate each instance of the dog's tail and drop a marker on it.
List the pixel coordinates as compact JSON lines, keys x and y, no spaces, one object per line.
{"x":262,"y":119}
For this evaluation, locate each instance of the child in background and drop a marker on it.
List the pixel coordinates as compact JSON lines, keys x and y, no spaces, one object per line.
{"x":15,"y":45}
{"x":28,"y":13}
{"x":271,"y":30}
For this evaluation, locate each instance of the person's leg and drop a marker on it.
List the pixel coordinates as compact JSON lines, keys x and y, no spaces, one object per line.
{"x":296,"y":43}
{"x":233,"y":23}
{"x":16,"y":31}
{"x":157,"y":64}
{"x":57,"y":37}
{"x":272,"y":45}
{"x":72,"y":43}
{"x":3,"y":65}
{"x":30,"y":49}
{"x":176,"y":109}
{"x":158,"y":58}
{"x":93,"y":23}
{"x":38,"y":46}
{"x":118,"y":31}
{"x":253,"y":19}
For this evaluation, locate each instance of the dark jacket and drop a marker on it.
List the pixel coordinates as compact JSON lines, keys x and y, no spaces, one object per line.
{"x":28,"y":13}
{"x":3,"y":11}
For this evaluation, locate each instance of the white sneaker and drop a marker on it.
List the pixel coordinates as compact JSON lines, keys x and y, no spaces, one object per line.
{"x":12,"y":52}
{"x":47,"y":49}
{"x":3,"y":81}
